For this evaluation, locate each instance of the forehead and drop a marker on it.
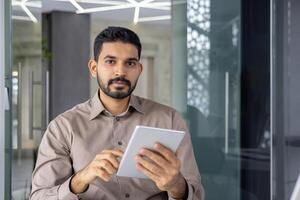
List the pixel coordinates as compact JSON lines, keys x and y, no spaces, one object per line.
{"x":119,"y":50}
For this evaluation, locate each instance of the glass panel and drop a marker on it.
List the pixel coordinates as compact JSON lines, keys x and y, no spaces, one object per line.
{"x":285,"y":99}
{"x":2,"y":100}
{"x":27,"y":92}
{"x":5,"y":85}
{"x":213,"y":93}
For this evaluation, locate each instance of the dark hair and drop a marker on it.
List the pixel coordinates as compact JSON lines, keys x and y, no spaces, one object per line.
{"x":114,"y":34}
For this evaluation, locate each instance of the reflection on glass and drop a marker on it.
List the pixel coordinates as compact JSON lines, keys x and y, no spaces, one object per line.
{"x":213,"y":93}
{"x":26,"y":93}
{"x":198,"y":54}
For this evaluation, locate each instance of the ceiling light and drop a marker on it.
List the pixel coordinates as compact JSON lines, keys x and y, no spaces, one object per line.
{"x":156,"y":18}
{"x":107,"y":5}
{"x":101,"y":2}
{"x":23,"y":18}
{"x":146,"y":1}
{"x":132,"y":2}
{"x":24,"y":4}
{"x":136,"y":15}
{"x":105,"y":8}
{"x":30,"y":15}
{"x":76,"y":5}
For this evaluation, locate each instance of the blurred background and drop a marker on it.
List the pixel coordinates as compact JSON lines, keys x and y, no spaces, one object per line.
{"x":229,"y":67}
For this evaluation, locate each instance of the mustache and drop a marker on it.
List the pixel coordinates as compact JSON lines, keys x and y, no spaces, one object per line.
{"x":127,"y":82}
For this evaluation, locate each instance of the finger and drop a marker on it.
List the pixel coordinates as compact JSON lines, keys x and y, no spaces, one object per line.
{"x":110,"y":157}
{"x":156,"y":158}
{"x":150,"y":166}
{"x":121,"y":152}
{"x":145,"y":171}
{"x":165,"y":152}
{"x":117,"y":152}
{"x":107,"y":166}
{"x":103,"y":175}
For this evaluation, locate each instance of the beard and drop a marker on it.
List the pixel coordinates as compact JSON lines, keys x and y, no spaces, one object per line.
{"x":118,"y":94}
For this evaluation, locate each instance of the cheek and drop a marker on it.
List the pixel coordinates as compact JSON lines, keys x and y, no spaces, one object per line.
{"x":135,"y":76}
{"x":104,"y":77}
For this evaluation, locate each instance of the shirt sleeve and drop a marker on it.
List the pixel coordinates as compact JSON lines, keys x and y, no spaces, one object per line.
{"x":53,"y":170}
{"x":189,"y":167}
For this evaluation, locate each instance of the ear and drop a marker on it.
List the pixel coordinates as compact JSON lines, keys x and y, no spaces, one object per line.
{"x":92,"y":64}
{"x":142,"y":67}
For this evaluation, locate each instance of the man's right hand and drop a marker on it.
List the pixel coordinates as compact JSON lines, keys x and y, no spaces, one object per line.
{"x":104,"y":166}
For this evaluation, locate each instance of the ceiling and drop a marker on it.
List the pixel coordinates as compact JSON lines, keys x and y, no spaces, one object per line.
{"x":137,"y":11}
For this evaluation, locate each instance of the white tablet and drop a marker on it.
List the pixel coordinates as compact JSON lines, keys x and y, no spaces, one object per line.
{"x":145,"y":137}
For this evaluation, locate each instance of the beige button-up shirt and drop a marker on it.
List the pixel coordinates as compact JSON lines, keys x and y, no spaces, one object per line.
{"x":74,"y":138}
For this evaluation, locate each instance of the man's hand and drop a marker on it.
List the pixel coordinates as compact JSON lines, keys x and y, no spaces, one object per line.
{"x":103,"y":166}
{"x":163,"y":167}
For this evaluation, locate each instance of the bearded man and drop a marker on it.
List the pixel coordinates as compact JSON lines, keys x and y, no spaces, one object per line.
{"x":81,"y":149}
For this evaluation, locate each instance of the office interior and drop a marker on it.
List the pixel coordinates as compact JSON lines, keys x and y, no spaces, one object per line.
{"x":231,"y":68}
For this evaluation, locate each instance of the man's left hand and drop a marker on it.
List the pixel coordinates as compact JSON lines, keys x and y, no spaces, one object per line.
{"x":163,"y":167}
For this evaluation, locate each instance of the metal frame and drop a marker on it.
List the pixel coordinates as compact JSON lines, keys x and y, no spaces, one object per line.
{"x":5,"y":82}
{"x":278,"y":98}
{"x":2,"y":182}
{"x":272,"y":10}
{"x":8,"y":85}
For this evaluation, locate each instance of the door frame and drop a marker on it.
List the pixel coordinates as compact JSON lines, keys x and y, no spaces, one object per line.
{"x":2,"y":183}
{"x":5,"y":108}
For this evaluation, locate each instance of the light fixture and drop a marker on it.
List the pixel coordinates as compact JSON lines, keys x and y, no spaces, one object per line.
{"x":25,"y":4}
{"x":76,"y":5}
{"x":109,"y":5}
{"x":104,"y":5}
{"x":15,"y":73}
{"x":148,"y":19}
{"x":105,"y":8}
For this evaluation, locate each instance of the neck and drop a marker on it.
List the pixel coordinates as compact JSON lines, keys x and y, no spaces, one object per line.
{"x":114,"y":106}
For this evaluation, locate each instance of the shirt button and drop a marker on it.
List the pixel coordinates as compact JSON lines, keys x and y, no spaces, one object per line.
{"x":120,"y":143}
{"x":127,"y":195}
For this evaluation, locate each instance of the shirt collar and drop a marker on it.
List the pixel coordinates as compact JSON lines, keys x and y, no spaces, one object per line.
{"x":136,"y":103}
{"x":97,"y":107}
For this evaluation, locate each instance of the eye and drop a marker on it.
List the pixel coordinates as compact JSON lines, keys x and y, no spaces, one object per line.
{"x":110,"y":61}
{"x":131,"y":63}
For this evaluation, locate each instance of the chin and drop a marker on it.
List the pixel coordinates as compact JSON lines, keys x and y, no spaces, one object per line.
{"x":120,"y":89}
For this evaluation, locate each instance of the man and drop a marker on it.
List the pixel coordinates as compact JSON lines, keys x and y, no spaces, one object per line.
{"x":81,"y":149}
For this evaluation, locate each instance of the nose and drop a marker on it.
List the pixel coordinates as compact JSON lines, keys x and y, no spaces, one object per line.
{"x":120,"y":70}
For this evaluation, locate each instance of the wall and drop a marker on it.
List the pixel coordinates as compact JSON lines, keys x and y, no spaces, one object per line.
{"x":69,"y":38}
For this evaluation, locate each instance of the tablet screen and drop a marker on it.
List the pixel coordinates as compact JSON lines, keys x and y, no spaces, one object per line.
{"x":146,"y":137}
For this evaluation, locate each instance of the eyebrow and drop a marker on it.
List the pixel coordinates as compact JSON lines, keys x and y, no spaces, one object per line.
{"x":109,"y":56}
{"x":114,"y":57}
{"x":132,"y":59}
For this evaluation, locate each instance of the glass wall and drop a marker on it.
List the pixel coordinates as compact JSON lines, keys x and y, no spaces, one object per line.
{"x":285,"y":99}
{"x":213,"y":93}
{"x":28,"y":102}
{"x":224,"y":93}
{"x":206,"y":89}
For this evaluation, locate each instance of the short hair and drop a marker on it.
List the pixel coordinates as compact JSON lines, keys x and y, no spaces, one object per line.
{"x":115,"y":34}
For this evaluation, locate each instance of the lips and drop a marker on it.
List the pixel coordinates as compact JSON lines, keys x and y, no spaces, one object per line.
{"x":120,"y":81}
